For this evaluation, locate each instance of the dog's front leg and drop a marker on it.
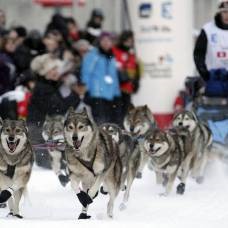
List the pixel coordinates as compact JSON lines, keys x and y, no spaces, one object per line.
{"x":20,"y":180}
{"x":96,"y":185}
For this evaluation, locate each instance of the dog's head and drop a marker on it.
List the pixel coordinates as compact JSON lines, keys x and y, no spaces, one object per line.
{"x":13,"y":136}
{"x":139,"y":120}
{"x":78,"y":129}
{"x":157,"y":143}
{"x":113,"y":130}
{"x":185,"y":119}
{"x":53,"y":128}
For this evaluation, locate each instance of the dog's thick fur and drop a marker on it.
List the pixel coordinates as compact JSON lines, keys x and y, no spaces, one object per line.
{"x":92,"y":157}
{"x":129,"y":155}
{"x":138,"y":122}
{"x":16,"y":160}
{"x":168,"y":151}
{"x":201,"y":137}
{"x":53,"y":133}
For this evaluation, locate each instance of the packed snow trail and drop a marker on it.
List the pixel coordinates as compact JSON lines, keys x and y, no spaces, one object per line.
{"x":50,"y":205}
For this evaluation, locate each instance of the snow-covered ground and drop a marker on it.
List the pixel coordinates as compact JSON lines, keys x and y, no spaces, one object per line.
{"x":50,"y":205}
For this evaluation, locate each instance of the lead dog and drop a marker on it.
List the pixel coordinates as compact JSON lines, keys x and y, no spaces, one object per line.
{"x":16,"y":160}
{"x":92,"y":159}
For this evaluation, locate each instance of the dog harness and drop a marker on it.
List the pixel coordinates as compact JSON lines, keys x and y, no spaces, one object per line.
{"x":10,"y":171}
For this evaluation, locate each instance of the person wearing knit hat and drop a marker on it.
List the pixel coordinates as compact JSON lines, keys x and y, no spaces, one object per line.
{"x":211,"y":53}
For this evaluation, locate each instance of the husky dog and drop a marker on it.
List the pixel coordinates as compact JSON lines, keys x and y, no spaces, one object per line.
{"x":138,"y":122}
{"x":53,"y":133}
{"x":129,"y":155}
{"x":201,"y":137}
{"x":92,"y":159}
{"x":168,"y":151}
{"x":16,"y":160}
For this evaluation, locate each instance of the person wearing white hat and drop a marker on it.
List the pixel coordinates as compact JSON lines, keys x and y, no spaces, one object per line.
{"x":211,"y":52}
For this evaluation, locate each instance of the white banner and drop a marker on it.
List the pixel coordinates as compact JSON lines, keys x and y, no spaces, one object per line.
{"x":164,"y":43}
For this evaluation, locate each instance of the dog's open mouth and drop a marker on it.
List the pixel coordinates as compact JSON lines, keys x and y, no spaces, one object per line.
{"x":153,"y":151}
{"x":13,"y":145}
{"x":78,"y":143}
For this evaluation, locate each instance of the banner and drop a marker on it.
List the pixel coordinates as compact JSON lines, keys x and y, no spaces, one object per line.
{"x":164,"y":43}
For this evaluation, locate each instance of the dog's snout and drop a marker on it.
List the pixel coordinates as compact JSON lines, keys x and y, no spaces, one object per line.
{"x":180,"y":124}
{"x":75,"y":138}
{"x":11,"y":138}
{"x":151,"y":145}
{"x":131,"y":128}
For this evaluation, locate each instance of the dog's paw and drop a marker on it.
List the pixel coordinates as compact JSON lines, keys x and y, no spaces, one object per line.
{"x":84,"y":216}
{"x":199,"y":180}
{"x":181,"y":189}
{"x":103,"y":191}
{"x":5,"y":195}
{"x":122,"y":207}
{"x":3,"y":205}
{"x":138,"y":175}
{"x":63,"y":179}
{"x":18,"y":216}
{"x":84,"y":198}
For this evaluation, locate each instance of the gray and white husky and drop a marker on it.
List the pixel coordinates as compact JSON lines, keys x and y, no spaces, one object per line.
{"x":92,"y":159}
{"x":53,"y":133}
{"x":16,"y":160}
{"x":138,"y":122}
{"x":129,"y":155}
{"x":201,"y":137}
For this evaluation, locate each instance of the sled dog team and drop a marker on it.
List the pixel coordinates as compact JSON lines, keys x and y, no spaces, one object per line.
{"x":105,"y":158}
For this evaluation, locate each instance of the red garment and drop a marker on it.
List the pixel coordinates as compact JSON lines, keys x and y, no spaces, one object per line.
{"x":126,"y":62}
{"x":22,"y":106}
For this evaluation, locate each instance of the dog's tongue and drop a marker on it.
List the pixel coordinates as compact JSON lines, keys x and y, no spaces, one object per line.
{"x":77,"y":144}
{"x":12,"y":146}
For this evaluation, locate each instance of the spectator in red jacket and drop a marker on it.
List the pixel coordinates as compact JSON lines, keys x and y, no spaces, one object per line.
{"x":128,"y":67}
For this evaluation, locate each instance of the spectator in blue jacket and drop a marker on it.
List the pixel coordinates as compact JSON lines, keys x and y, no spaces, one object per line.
{"x":99,"y":74}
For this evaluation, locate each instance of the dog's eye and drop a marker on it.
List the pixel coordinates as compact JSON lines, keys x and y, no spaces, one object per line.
{"x":18,"y":130}
{"x":7,"y":130}
{"x":56,"y":132}
{"x":70,"y":127}
{"x":80,"y":127}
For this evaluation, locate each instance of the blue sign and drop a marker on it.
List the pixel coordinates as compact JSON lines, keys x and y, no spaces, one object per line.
{"x":145,"y":10}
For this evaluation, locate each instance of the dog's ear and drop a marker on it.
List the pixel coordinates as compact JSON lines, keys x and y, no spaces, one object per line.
{"x":70,"y":111}
{"x":130,"y":108}
{"x":170,"y":140}
{"x":147,"y":112}
{"x":84,"y":111}
{"x":23,"y":122}
{"x":47,"y":118}
{"x":194,"y":116}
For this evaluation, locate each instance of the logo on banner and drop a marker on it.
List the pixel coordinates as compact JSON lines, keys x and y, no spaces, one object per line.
{"x":166,"y":10}
{"x":145,"y":10}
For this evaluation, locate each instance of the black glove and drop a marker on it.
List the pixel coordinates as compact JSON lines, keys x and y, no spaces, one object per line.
{"x":84,"y":198}
{"x":5,"y":195}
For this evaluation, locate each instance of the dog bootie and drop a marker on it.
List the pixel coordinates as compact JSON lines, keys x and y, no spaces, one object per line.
{"x":63,"y":179}
{"x":84,"y":198}
{"x":5,"y":195}
{"x":138,"y":175}
{"x":84,"y":216}
{"x":181,"y":189}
